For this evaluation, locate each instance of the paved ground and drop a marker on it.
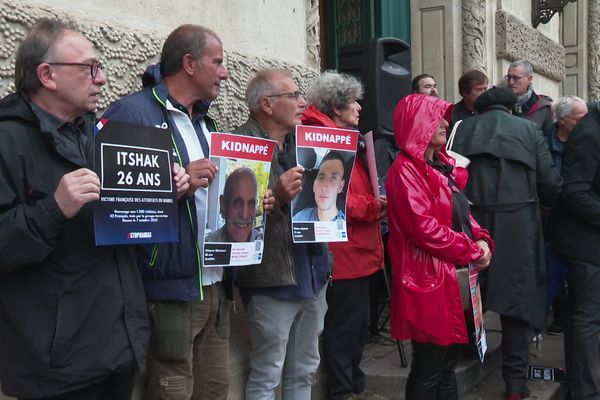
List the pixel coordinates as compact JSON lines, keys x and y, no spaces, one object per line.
{"x":386,"y":377}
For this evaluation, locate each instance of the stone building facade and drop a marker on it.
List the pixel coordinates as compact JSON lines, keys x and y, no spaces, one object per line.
{"x":129,"y":34}
{"x":448,"y":37}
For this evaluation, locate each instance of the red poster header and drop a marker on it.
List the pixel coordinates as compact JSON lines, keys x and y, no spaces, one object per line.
{"x":329,"y":138}
{"x":241,"y":147}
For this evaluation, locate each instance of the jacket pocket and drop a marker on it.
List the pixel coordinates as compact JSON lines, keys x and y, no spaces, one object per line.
{"x":222,"y":322}
{"x":422,"y":283}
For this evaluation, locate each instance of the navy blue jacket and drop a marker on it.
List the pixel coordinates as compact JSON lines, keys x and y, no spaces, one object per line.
{"x":170,"y":271}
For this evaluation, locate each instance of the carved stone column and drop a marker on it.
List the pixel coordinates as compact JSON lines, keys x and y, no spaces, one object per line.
{"x":313,"y":40}
{"x":473,"y":35}
{"x":594,"y":49}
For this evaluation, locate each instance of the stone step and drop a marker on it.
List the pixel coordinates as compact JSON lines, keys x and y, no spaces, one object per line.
{"x":386,"y":379}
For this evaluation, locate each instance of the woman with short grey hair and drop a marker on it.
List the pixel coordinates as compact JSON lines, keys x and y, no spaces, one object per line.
{"x":333,"y":103}
{"x":333,"y":92}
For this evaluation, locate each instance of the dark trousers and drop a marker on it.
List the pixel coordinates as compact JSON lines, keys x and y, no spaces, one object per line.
{"x":582,"y":330}
{"x":344,"y":335}
{"x":116,"y":387}
{"x":515,"y":353}
{"x":432,"y":372}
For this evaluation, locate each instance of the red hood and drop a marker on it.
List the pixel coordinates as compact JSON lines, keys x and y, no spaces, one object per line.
{"x":416,"y":118}
{"x":312,"y":116}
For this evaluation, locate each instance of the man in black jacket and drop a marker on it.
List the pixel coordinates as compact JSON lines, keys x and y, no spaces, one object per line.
{"x":575,"y":234}
{"x":511,"y":175}
{"x":72,"y":315}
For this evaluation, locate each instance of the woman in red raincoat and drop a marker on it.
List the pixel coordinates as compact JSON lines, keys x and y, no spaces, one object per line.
{"x":333,"y":104}
{"x":431,"y":233}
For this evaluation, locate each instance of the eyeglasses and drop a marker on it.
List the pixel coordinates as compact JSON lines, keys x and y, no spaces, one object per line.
{"x":94,"y":66}
{"x":292,"y":95}
{"x":514,"y":77}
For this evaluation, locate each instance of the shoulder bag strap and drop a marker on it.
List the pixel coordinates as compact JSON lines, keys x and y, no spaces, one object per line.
{"x":450,"y":141}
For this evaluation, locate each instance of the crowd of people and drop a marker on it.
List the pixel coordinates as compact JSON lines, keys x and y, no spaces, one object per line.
{"x":79,"y":321}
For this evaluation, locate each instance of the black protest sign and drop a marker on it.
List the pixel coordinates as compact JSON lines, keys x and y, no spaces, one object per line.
{"x":137,"y":197}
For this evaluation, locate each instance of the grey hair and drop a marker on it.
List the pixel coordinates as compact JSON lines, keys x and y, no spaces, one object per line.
{"x":522,"y":63}
{"x":263,"y":84}
{"x":563,"y":106}
{"x":334,"y":90}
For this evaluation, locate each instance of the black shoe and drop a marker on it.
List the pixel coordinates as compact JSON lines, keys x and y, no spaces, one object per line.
{"x":359,"y":388}
{"x":555,"y":328}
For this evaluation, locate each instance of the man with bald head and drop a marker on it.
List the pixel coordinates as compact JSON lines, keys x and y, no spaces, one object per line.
{"x":238,"y":208}
{"x":72,"y":316}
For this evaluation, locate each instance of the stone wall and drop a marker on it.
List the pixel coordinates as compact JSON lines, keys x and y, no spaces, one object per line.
{"x":516,"y":40}
{"x":126,"y":52}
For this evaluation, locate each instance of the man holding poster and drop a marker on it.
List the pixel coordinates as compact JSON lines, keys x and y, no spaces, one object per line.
{"x":72,"y":316}
{"x":284,"y":294}
{"x":327,"y":186}
{"x":189,"y":346}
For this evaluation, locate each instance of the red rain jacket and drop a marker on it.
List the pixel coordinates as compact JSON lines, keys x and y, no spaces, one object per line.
{"x":362,"y":254}
{"x":425,"y":304}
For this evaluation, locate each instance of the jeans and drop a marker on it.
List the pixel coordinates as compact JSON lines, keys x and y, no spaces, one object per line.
{"x":582,"y":330}
{"x":284,"y":336}
{"x":205,"y":372}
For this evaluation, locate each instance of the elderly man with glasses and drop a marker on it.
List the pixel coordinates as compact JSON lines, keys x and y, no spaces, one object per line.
{"x":568,"y":110}
{"x":574,"y":234}
{"x":530,"y":105}
{"x":72,"y":317}
{"x":285,"y":294}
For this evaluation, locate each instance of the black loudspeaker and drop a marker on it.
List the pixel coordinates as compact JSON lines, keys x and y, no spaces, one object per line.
{"x":383,"y":66}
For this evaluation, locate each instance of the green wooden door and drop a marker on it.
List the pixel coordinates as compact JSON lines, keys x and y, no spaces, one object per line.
{"x":347,"y":22}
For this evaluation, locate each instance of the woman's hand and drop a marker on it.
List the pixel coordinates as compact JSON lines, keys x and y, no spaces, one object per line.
{"x":383,"y":212}
{"x":484,"y":261}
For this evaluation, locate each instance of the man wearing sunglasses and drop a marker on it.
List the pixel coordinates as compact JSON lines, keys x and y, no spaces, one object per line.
{"x":72,"y":315}
{"x":530,"y":105}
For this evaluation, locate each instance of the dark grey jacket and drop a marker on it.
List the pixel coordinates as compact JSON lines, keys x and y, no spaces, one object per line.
{"x":70,"y":312}
{"x":510,"y":176}
{"x":575,"y":226}
{"x":277,"y":266}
